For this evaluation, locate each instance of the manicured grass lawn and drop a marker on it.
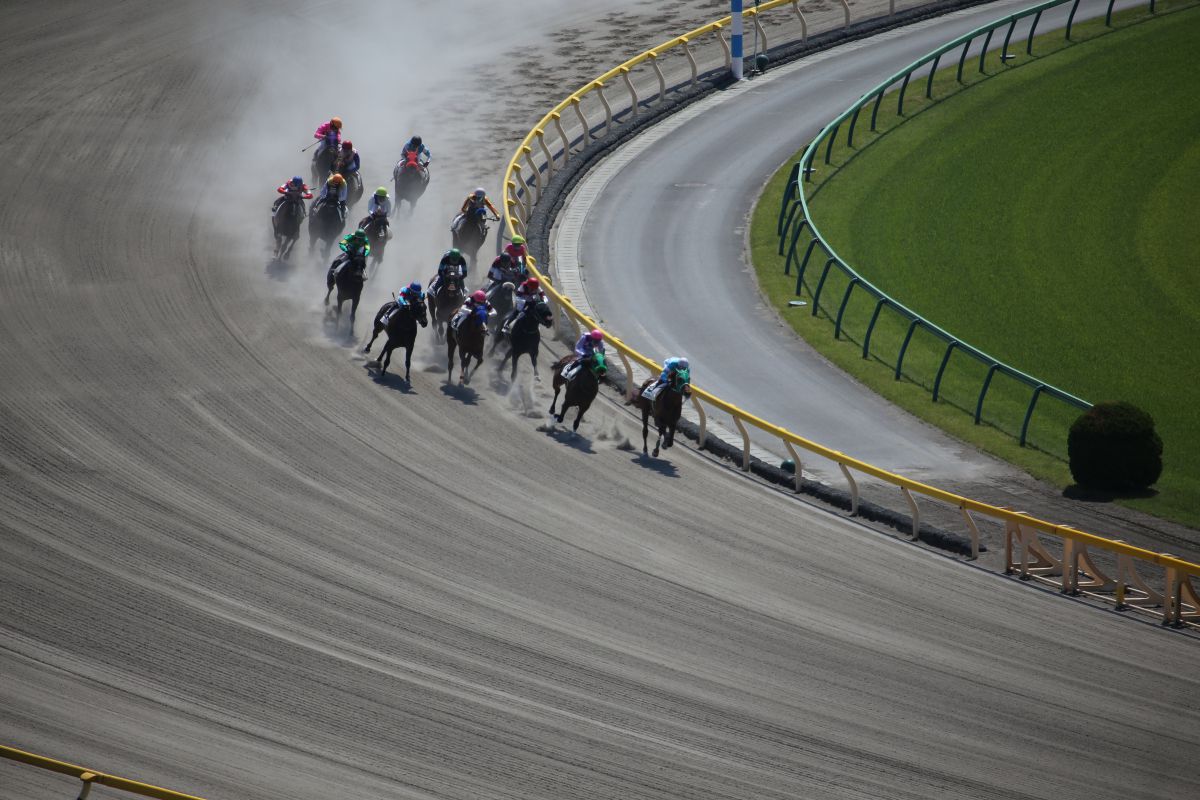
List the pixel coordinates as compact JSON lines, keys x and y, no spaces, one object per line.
{"x":1047,"y":215}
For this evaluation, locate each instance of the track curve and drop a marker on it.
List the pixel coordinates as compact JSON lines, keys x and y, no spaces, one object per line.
{"x":236,"y":566}
{"x":660,"y":237}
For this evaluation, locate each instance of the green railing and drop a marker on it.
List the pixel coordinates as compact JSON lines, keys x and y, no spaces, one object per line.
{"x":795,"y":218}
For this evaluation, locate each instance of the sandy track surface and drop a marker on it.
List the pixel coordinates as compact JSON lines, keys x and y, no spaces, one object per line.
{"x":235,"y":565}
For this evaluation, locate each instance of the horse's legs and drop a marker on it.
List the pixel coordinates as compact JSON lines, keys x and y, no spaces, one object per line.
{"x":579,"y":417}
{"x":645,"y":430}
{"x":449,"y":359}
{"x":374,"y":335}
{"x":407,"y":362}
{"x":657,"y":441}
{"x":353,"y":311}
{"x":555,"y":400}
{"x":385,"y":358}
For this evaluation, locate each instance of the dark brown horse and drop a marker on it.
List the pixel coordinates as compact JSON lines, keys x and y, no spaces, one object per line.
{"x":347,"y":274}
{"x":449,"y":298}
{"x":468,"y":339}
{"x":666,"y":408}
{"x":401,"y":330}
{"x":525,"y":338}
{"x":582,"y":387}
{"x":411,"y":178}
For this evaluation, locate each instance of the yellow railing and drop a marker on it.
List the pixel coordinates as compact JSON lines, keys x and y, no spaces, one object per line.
{"x":91,"y":776}
{"x":1072,"y":569}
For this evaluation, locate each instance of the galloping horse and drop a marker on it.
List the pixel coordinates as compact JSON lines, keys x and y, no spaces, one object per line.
{"x":401,"y":330}
{"x":411,"y":177}
{"x":525,"y":338}
{"x":377,"y":235}
{"x":581,"y":388}
{"x":324,"y":223}
{"x":666,"y":407}
{"x":349,"y":280}
{"x":449,"y":298}
{"x":469,"y":341}
{"x":501,"y":299}
{"x":285,"y":222}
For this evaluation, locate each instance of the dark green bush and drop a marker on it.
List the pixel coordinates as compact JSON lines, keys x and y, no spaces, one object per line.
{"x":1113,"y":447}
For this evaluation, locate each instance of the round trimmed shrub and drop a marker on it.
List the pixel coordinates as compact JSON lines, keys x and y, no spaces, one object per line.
{"x":1114,"y":447}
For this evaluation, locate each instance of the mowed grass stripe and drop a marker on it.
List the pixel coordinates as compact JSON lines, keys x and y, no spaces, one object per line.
{"x":1048,"y":216}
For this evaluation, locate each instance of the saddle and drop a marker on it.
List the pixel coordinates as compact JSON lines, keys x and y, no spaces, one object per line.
{"x":652,"y":391}
{"x":572,"y":369}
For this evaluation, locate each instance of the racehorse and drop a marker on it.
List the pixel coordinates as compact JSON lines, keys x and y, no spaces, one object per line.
{"x":285,"y":222}
{"x":469,"y":341}
{"x":411,"y":177}
{"x":666,"y":408}
{"x":349,"y":280}
{"x":582,"y":386}
{"x":325,"y":222}
{"x":442,"y":305}
{"x":401,"y":330}
{"x":525,"y":338}
{"x":354,"y":181}
{"x":322,"y":164}
{"x":501,"y":298}
{"x":377,"y":235}
{"x":469,"y":233}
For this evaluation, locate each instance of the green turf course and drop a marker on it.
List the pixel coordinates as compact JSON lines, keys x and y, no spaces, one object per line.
{"x":1047,"y":215}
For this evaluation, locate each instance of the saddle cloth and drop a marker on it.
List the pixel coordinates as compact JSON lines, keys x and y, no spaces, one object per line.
{"x":652,"y":391}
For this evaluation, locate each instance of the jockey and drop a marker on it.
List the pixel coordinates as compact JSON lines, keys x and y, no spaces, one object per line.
{"x":527,"y":294}
{"x":414,"y":145}
{"x":589,"y":344}
{"x":503,"y":270}
{"x":294,"y":190}
{"x":410,"y":295}
{"x":330,"y":134}
{"x":478,"y":199}
{"x":517,"y":250}
{"x":333,"y":190}
{"x":347,"y":161}
{"x":379,"y":205}
{"x":452,"y":259}
{"x":355,"y":244}
{"x":475,"y":203}
{"x":671,"y":366}
{"x":476,"y":304}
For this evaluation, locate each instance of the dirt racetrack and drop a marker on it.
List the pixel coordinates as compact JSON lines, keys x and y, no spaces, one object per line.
{"x":235,"y":565}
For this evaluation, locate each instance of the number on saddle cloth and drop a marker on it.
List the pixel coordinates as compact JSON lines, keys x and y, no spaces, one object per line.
{"x":651,"y":391}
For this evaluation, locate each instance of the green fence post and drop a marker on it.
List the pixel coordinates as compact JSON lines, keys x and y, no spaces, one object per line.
{"x":937,"y":382}
{"x":853,"y":122}
{"x":983,"y":392}
{"x":787,"y":263}
{"x":983,"y":53}
{"x":787,"y":225}
{"x":875,"y":111}
{"x":1037,"y":390}
{"x":807,"y":168}
{"x":1108,"y":14}
{"x":804,"y":264}
{"x":821,"y":285}
{"x":1004,"y":56}
{"x":907,"y":338}
{"x":963,"y":59}
{"x":903,"y":88}
{"x":929,"y":83}
{"x":837,"y":326}
{"x":1032,"y":28}
{"x":829,"y":142}
{"x":871,"y":327}
{"x":789,"y":191}
{"x":1151,"y":6}
{"x":1071,"y":18}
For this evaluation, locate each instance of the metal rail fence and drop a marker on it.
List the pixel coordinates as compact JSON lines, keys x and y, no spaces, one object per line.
{"x":795,"y":217}
{"x":1034,"y":549}
{"x":92,"y":776}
